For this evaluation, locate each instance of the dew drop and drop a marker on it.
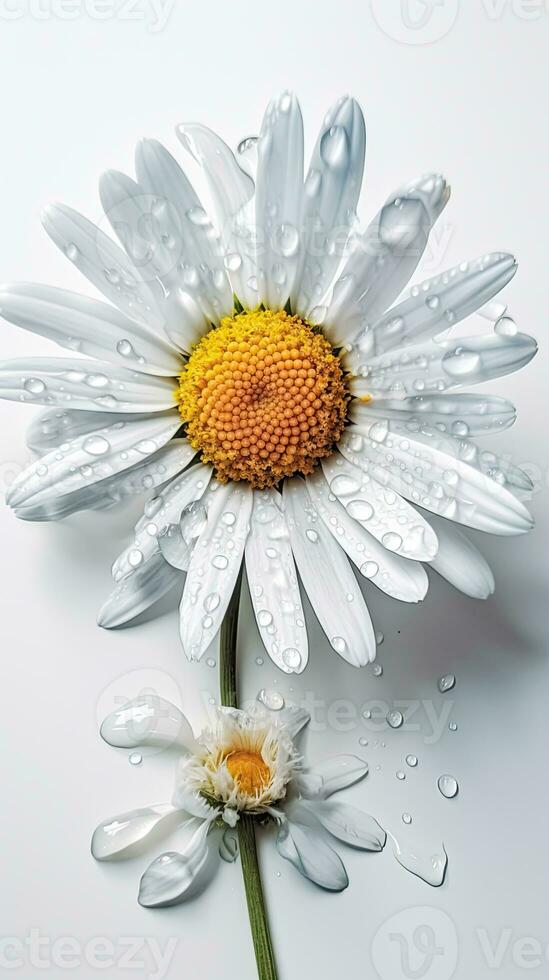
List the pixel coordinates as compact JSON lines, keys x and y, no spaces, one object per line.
{"x":446,"y":683}
{"x":411,"y":760}
{"x":135,"y":758}
{"x":96,"y":445}
{"x":369,"y":569}
{"x":211,"y":602}
{"x":210,"y":662}
{"x":35,"y":386}
{"x":448,"y":786}
{"x":259,"y":661}
{"x":363,"y":741}
{"x":400,"y":774}
{"x":461,"y":362}
{"x":271,"y":699}
{"x":392,"y":541}
{"x":339,"y":644}
{"x":220,"y":561}
{"x":125,"y":348}
{"x":292,"y":658}
{"x":379,"y":638}
{"x":506,"y":327}
{"x":312,"y":535}
{"x":406,"y":818}
{"x":360,"y":510}
{"x":135,"y":557}
{"x":334,"y":148}
{"x":264,"y":617}
{"x":395,"y":719}
{"x":452,"y":726}
{"x":286,"y":240}
{"x":377,"y":670}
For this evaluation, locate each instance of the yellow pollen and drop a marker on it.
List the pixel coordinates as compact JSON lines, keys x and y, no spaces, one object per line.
{"x":250,"y":773}
{"x":263,"y":397}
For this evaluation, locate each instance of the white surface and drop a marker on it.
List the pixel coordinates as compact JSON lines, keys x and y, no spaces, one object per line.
{"x":77,"y":93}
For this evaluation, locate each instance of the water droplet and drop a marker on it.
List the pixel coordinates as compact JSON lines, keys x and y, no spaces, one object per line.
{"x":411,"y":760}
{"x":286,"y":240}
{"x":391,"y":541}
{"x":228,"y":846}
{"x":312,"y":535}
{"x":506,"y":327}
{"x":210,"y":662}
{"x":400,"y":774}
{"x":198,"y":216}
{"x":395,"y":718}
{"x":429,"y":866}
{"x":135,"y":758}
{"x":35,"y":386}
{"x":369,"y":569}
{"x":446,"y":683}
{"x":452,"y":726}
{"x":220,"y":561}
{"x":211,"y":602}
{"x":334,"y":147}
{"x":461,"y":362}
{"x":379,"y":638}
{"x":363,"y":741}
{"x":233,"y":262}
{"x":360,"y":510}
{"x":292,"y":658}
{"x":271,"y":699}
{"x":96,"y":445}
{"x":448,"y":786}
{"x":125,"y":348}
{"x":71,"y":251}
{"x":367,"y":713}
{"x":228,"y":518}
{"x":406,"y":818}
{"x":135,"y":557}
{"x":264,"y":617}
{"x":433,"y":302}
{"x":377,"y":670}
{"x":259,"y":661}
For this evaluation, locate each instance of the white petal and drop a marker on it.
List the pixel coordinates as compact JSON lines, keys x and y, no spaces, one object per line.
{"x":122,"y":835}
{"x":170,"y":876}
{"x":438,"y":482}
{"x":159,"y":512}
{"x":348,"y":824}
{"x":231,"y":191}
{"x":182,"y":221}
{"x":91,"y":458}
{"x":50,"y":428}
{"x":330,"y":776}
{"x":273,"y":584}
{"x":138,"y":591}
{"x":433,"y":306}
{"x":460,"y":414}
{"x":86,"y":326}
{"x":442,"y":365}
{"x":214,"y":566}
{"x":278,"y":199}
{"x":104,"y":264}
{"x":84,"y":385}
{"x":294,"y":719}
{"x":461,"y":563}
{"x":143,"y":476}
{"x":331,"y":193}
{"x":397,"y":577}
{"x":148,"y":719}
{"x":311,"y":856}
{"x":323,"y":567}
{"x":384,"y":257}
{"x":388,"y":517}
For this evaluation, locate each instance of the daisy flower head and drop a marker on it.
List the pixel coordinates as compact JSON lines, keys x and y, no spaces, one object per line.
{"x":246,"y":768}
{"x":259,"y":370}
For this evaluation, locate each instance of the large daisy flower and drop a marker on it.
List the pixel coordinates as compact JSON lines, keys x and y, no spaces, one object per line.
{"x":246,"y":764}
{"x":259,"y":372}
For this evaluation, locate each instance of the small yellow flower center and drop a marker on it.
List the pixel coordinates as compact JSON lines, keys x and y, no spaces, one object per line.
{"x":263,"y":397}
{"x":250,"y":773}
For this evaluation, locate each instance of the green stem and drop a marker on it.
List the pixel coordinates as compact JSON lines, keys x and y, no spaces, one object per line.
{"x":264,"y":955}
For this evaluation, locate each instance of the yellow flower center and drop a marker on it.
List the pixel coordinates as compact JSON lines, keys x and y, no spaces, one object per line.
{"x":250,"y":773}
{"x":263,"y":397}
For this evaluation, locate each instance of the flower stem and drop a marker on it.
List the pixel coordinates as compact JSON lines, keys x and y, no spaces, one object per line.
{"x":264,"y":955}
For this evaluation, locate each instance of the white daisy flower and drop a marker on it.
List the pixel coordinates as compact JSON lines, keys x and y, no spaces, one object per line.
{"x":268,"y":346}
{"x":246,"y":768}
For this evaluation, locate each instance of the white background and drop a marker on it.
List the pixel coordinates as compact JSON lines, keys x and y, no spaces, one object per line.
{"x":465,"y":94}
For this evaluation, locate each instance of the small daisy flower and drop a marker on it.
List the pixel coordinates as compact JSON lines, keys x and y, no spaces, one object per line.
{"x":247,"y":766}
{"x":258,"y":369}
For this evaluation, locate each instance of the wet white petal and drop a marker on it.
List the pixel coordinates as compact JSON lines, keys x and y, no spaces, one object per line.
{"x":122,"y":835}
{"x":459,"y":414}
{"x":461,"y":563}
{"x":432,"y":307}
{"x":170,"y":876}
{"x":384,"y":257}
{"x":140,"y":478}
{"x":386,"y":515}
{"x":442,"y":365}
{"x":231,"y":191}
{"x":438,"y":482}
{"x":330,"y":776}
{"x":160,"y":511}
{"x":84,"y":385}
{"x":323,"y":566}
{"x":148,"y":719}
{"x":331,"y":193}
{"x":348,"y":824}
{"x":104,"y":264}
{"x":87,"y":459}
{"x":278,"y":199}
{"x":273,"y":584}
{"x":397,"y":577}
{"x":311,"y":856}
{"x":214,"y":566}
{"x":86,"y":326}
{"x":56,"y":425}
{"x":137,"y":591}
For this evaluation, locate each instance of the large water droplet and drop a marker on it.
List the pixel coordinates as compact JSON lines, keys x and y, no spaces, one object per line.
{"x":291,"y":658}
{"x":271,"y":699}
{"x":411,"y":760}
{"x":446,"y":683}
{"x":391,"y":541}
{"x":395,"y":718}
{"x":334,"y":148}
{"x":461,"y":362}
{"x":96,"y":445}
{"x":34,"y":385}
{"x":448,"y":786}
{"x":286,"y":240}
{"x":360,"y":510}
